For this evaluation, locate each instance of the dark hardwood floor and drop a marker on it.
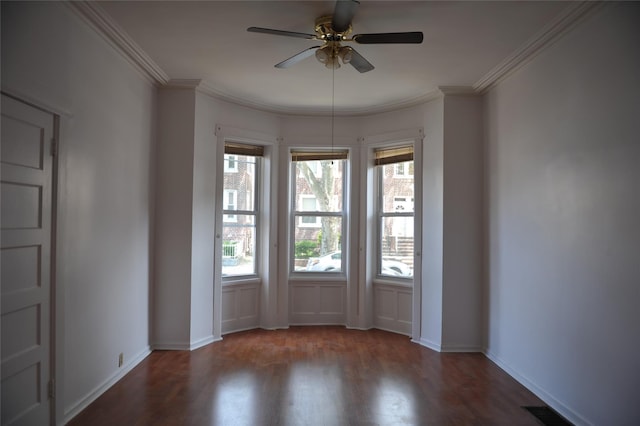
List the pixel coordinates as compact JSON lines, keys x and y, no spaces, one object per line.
{"x":313,"y":376}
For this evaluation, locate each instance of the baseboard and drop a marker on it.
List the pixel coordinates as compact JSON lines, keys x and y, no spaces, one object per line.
{"x":390,"y":330}
{"x":171,"y":346}
{"x":83,"y":403}
{"x":428,"y":344}
{"x":204,"y":342}
{"x":541,"y":393}
{"x":185,"y":346}
{"x":461,"y":348}
{"x":358,"y":328}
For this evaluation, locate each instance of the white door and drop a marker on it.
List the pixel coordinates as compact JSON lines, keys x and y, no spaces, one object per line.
{"x":25,"y":198}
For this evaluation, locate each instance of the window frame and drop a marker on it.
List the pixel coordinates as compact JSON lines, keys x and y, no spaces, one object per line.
{"x":230,"y":217}
{"x":228,"y":168}
{"x":381,"y":214}
{"x":317,"y":222}
{"x":296,"y":216}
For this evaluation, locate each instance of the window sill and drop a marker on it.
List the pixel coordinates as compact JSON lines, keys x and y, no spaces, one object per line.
{"x":240,"y":280}
{"x":395,"y":282}
{"x":316,"y":276}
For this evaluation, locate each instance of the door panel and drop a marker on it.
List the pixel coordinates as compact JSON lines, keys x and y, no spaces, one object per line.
{"x":25,"y":253}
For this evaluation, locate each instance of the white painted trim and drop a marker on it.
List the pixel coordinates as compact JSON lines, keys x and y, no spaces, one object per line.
{"x":230,"y":133}
{"x":388,"y":330}
{"x":272,"y":328}
{"x":461,"y":348}
{"x":206,"y":88}
{"x":93,"y":15}
{"x":204,"y":342}
{"x":35,"y":102}
{"x":458,"y":91}
{"x":348,"y":327}
{"x":541,"y":393}
{"x":183,"y":83}
{"x":428,"y":344}
{"x":391,"y":139}
{"x":171,"y":346}
{"x":575,"y":13}
{"x":83,"y":403}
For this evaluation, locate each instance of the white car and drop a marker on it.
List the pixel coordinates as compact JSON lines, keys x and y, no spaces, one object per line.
{"x":332,"y":263}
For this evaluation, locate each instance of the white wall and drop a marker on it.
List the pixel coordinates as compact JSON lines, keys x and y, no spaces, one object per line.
{"x":174,"y":210}
{"x":203,"y":216}
{"x":563,"y":197}
{"x":105,"y":189}
{"x":187,"y":304}
{"x":430,"y":333}
{"x":462,"y":224}
{"x":251,"y":304}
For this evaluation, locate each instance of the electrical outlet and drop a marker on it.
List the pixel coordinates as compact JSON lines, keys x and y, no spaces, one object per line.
{"x":120,"y":359}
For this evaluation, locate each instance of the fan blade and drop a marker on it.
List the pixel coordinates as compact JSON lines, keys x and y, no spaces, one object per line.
{"x":281,"y":33}
{"x":388,"y":38}
{"x":297,"y":57}
{"x":359,"y":62}
{"x":343,"y":14}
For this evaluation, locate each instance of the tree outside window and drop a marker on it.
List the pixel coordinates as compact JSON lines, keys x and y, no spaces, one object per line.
{"x":318,"y":211}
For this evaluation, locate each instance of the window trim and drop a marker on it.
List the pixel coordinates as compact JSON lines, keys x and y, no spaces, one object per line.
{"x":255,"y":212}
{"x":227,"y":163}
{"x":229,"y":215}
{"x":382,"y":214}
{"x":318,"y":155}
{"x":317,"y":223}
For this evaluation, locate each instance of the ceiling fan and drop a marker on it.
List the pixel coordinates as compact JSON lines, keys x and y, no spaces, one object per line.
{"x":335,"y":29}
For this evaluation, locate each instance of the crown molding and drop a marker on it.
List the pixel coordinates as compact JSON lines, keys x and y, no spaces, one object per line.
{"x":208,"y":89}
{"x":92,"y":14}
{"x":183,"y":83}
{"x":550,"y":33}
{"x":458,"y":91}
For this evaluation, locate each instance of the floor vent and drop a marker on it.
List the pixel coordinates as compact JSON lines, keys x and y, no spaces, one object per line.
{"x":547,"y":416}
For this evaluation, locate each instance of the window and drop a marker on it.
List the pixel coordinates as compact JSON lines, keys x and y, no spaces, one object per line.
{"x":403,"y":169}
{"x":239,"y":209}
{"x":230,"y":204}
{"x":395,"y":194}
{"x":230,"y":163}
{"x":319,"y":216}
{"x":309,"y":203}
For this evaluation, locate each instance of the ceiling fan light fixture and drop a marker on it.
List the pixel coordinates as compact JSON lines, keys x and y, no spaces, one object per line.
{"x":323,"y":55}
{"x":333,"y":63}
{"x":332,"y":31}
{"x":345,"y":54}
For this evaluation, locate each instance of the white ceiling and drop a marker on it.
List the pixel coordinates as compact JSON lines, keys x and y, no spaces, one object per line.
{"x":463,"y":42}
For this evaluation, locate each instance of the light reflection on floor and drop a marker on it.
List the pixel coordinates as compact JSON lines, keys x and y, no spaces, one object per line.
{"x":235,"y":400}
{"x":314,"y":396}
{"x":395,"y":403}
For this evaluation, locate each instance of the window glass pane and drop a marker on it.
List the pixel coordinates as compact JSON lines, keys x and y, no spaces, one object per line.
{"x":238,"y":246}
{"x":321,"y":179}
{"x":317,"y":249}
{"x":397,"y":188}
{"x":397,"y":246}
{"x":239,"y":183}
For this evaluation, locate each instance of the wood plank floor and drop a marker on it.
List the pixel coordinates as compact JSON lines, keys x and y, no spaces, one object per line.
{"x":313,"y":376}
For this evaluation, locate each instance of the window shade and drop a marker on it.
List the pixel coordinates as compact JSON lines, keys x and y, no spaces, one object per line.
{"x":243,"y":149}
{"x":319,"y":155}
{"x":393,"y":155}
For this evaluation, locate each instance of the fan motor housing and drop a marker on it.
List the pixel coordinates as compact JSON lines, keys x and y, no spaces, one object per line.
{"x":325,"y":31}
